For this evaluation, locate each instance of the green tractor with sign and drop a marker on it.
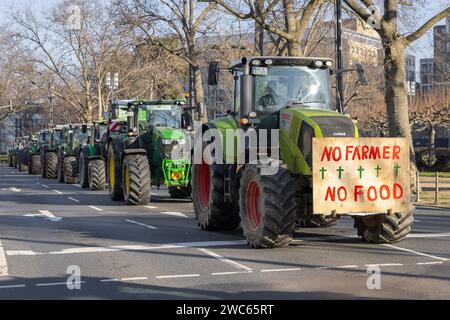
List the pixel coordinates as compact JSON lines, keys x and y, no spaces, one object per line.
{"x":43,"y":138}
{"x":267,"y":186}
{"x":69,"y":152}
{"x":49,"y":151}
{"x":152,"y":152}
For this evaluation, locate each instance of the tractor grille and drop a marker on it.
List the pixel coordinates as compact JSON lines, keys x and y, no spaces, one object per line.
{"x":335,"y":126}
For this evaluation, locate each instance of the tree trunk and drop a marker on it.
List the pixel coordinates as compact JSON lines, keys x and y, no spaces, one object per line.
{"x":100,"y":100}
{"x":259,"y":31}
{"x":432,"y":136}
{"x":198,"y":91}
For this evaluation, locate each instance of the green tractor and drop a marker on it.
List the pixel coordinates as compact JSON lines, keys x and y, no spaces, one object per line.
{"x":69,"y":152}
{"x":49,"y":151}
{"x":92,"y":157}
{"x":147,"y":153}
{"x":21,"y":150}
{"x":293,"y":96}
{"x":42,"y":138}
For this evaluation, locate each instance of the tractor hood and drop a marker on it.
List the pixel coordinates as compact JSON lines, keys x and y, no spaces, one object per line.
{"x":169,"y":133}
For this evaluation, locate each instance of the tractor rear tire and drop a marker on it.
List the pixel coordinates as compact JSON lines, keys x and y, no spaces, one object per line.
{"x":390,"y":228}
{"x":22,"y":166}
{"x":70,"y":170}
{"x":319,"y":221}
{"x":60,"y":169}
{"x":114,"y":176}
{"x":16,"y":163}
{"x":211,"y":210}
{"x":10,"y":161}
{"x":97,"y":175}
{"x":136,"y":180}
{"x":51,"y":161}
{"x":35,"y":164}
{"x":267,"y":207}
{"x":180,"y":192}
{"x":84,"y":171}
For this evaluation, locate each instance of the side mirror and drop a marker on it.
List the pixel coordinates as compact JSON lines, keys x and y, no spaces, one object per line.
{"x":213,"y":73}
{"x":362,"y":79}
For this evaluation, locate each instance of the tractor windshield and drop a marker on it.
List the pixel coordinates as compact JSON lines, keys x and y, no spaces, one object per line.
{"x":44,"y":137}
{"x":161,"y":115}
{"x":80,"y":136}
{"x":61,"y":136}
{"x":293,"y":85}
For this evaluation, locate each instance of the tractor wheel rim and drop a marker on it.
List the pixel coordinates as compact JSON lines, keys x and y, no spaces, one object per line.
{"x":127,"y":181}
{"x":204,"y":185}
{"x":111,"y":172}
{"x":252,"y":205}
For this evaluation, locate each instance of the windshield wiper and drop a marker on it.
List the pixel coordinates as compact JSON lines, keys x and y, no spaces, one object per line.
{"x":306,"y":102}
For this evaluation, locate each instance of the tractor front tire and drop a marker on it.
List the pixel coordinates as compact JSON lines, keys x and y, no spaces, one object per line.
{"x":211,"y":210}
{"x":22,"y":166}
{"x":84,"y":171}
{"x":10,"y":161}
{"x":51,"y":164}
{"x":389,"y":228}
{"x":267,"y":207}
{"x":97,"y":175}
{"x":35,"y":164}
{"x":60,"y":169}
{"x":114,"y":176}
{"x":136,"y":180}
{"x":319,"y":221}
{"x":70,"y":170}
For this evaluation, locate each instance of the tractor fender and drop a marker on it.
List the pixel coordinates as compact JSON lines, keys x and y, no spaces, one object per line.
{"x":92,"y":158}
{"x":135,"y":151}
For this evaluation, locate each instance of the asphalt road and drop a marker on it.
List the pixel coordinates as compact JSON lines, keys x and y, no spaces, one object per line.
{"x":49,"y":231}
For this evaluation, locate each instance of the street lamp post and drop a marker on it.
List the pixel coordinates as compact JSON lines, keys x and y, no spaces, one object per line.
{"x":339,"y":62}
{"x":50,"y":99}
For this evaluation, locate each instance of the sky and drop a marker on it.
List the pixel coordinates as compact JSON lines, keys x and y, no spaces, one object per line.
{"x":421,"y":49}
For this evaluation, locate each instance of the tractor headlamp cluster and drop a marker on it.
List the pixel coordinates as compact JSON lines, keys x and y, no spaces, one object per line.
{"x":176,"y":175}
{"x":323,"y":63}
{"x":175,"y":141}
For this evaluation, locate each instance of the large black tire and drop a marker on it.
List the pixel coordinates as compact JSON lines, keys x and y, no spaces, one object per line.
{"x":35,"y":164}
{"x":16,"y":162}
{"x":97,"y":175}
{"x":60,"y":168}
{"x":51,"y":165}
{"x":208,"y":192}
{"x":267,"y":207}
{"x":389,"y":228}
{"x":10,"y":161}
{"x":70,"y":170}
{"x":22,"y":166}
{"x":181,"y":192}
{"x":136,"y":179}
{"x":114,"y":175}
{"x":83,"y":175}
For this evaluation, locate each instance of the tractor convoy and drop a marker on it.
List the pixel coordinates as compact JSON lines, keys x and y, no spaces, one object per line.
{"x":281,"y":158}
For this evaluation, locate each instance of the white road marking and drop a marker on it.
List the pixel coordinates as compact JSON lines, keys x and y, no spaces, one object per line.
{"x":384,"y":265}
{"x":142,"y":224}
{"x":346,"y":267}
{"x":95,"y":208}
{"x":176,"y":214}
{"x":428,"y":235}
{"x":415,"y":252}
{"x":77,"y":185}
{"x":151,"y":207}
{"x":12,"y":189}
{"x":229,"y":273}
{"x":44,"y":213}
{"x":58,"y":192}
{"x":57,"y":283}
{"x":225,"y":260}
{"x":178,"y":276}
{"x":321,"y":268}
{"x":45,"y":186}
{"x":73,"y":199}
{"x":13,"y":286}
{"x":281,"y":270}
{"x":135,"y":279}
{"x":426,"y":263}
{"x":3,"y":264}
{"x":20,"y":253}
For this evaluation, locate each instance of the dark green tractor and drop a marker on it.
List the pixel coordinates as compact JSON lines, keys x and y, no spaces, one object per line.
{"x":41,"y":139}
{"x":152,"y":152}
{"x":92,"y":157}
{"x":69,"y":152}
{"x":21,"y":153}
{"x":49,"y":151}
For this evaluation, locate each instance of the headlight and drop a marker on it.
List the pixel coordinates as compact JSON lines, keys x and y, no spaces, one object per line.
{"x":181,"y":141}
{"x":166,"y":141}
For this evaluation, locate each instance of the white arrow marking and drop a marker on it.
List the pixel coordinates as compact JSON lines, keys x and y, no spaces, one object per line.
{"x":176,"y":214}
{"x":12,"y":189}
{"x":44,"y":213}
{"x":3,"y":264}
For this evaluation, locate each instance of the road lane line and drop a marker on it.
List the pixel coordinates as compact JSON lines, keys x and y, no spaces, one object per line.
{"x":178,"y":276}
{"x":110,"y":280}
{"x":415,"y":252}
{"x":135,"y":279}
{"x":58,"y":192}
{"x":77,"y":185}
{"x":433,"y":262}
{"x":13,"y":286}
{"x":133,"y":248}
{"x":225,"y":260}
{"x":142,"y":224}
{"x":151,"y":207}
{"x":57,"y":283}
{"x":229,"y":273}
{"x":281,"y":270}
{"x":45,"y":186}
{"x":384,"y":265}
{"x":3,"y":263}
{"x":346,"y":267}
{"x":428,"y":235}
{"x":95,"y":208}
{"x":174,"y":213}
{"x":73,"y":199}
{"x":21,"y":253}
